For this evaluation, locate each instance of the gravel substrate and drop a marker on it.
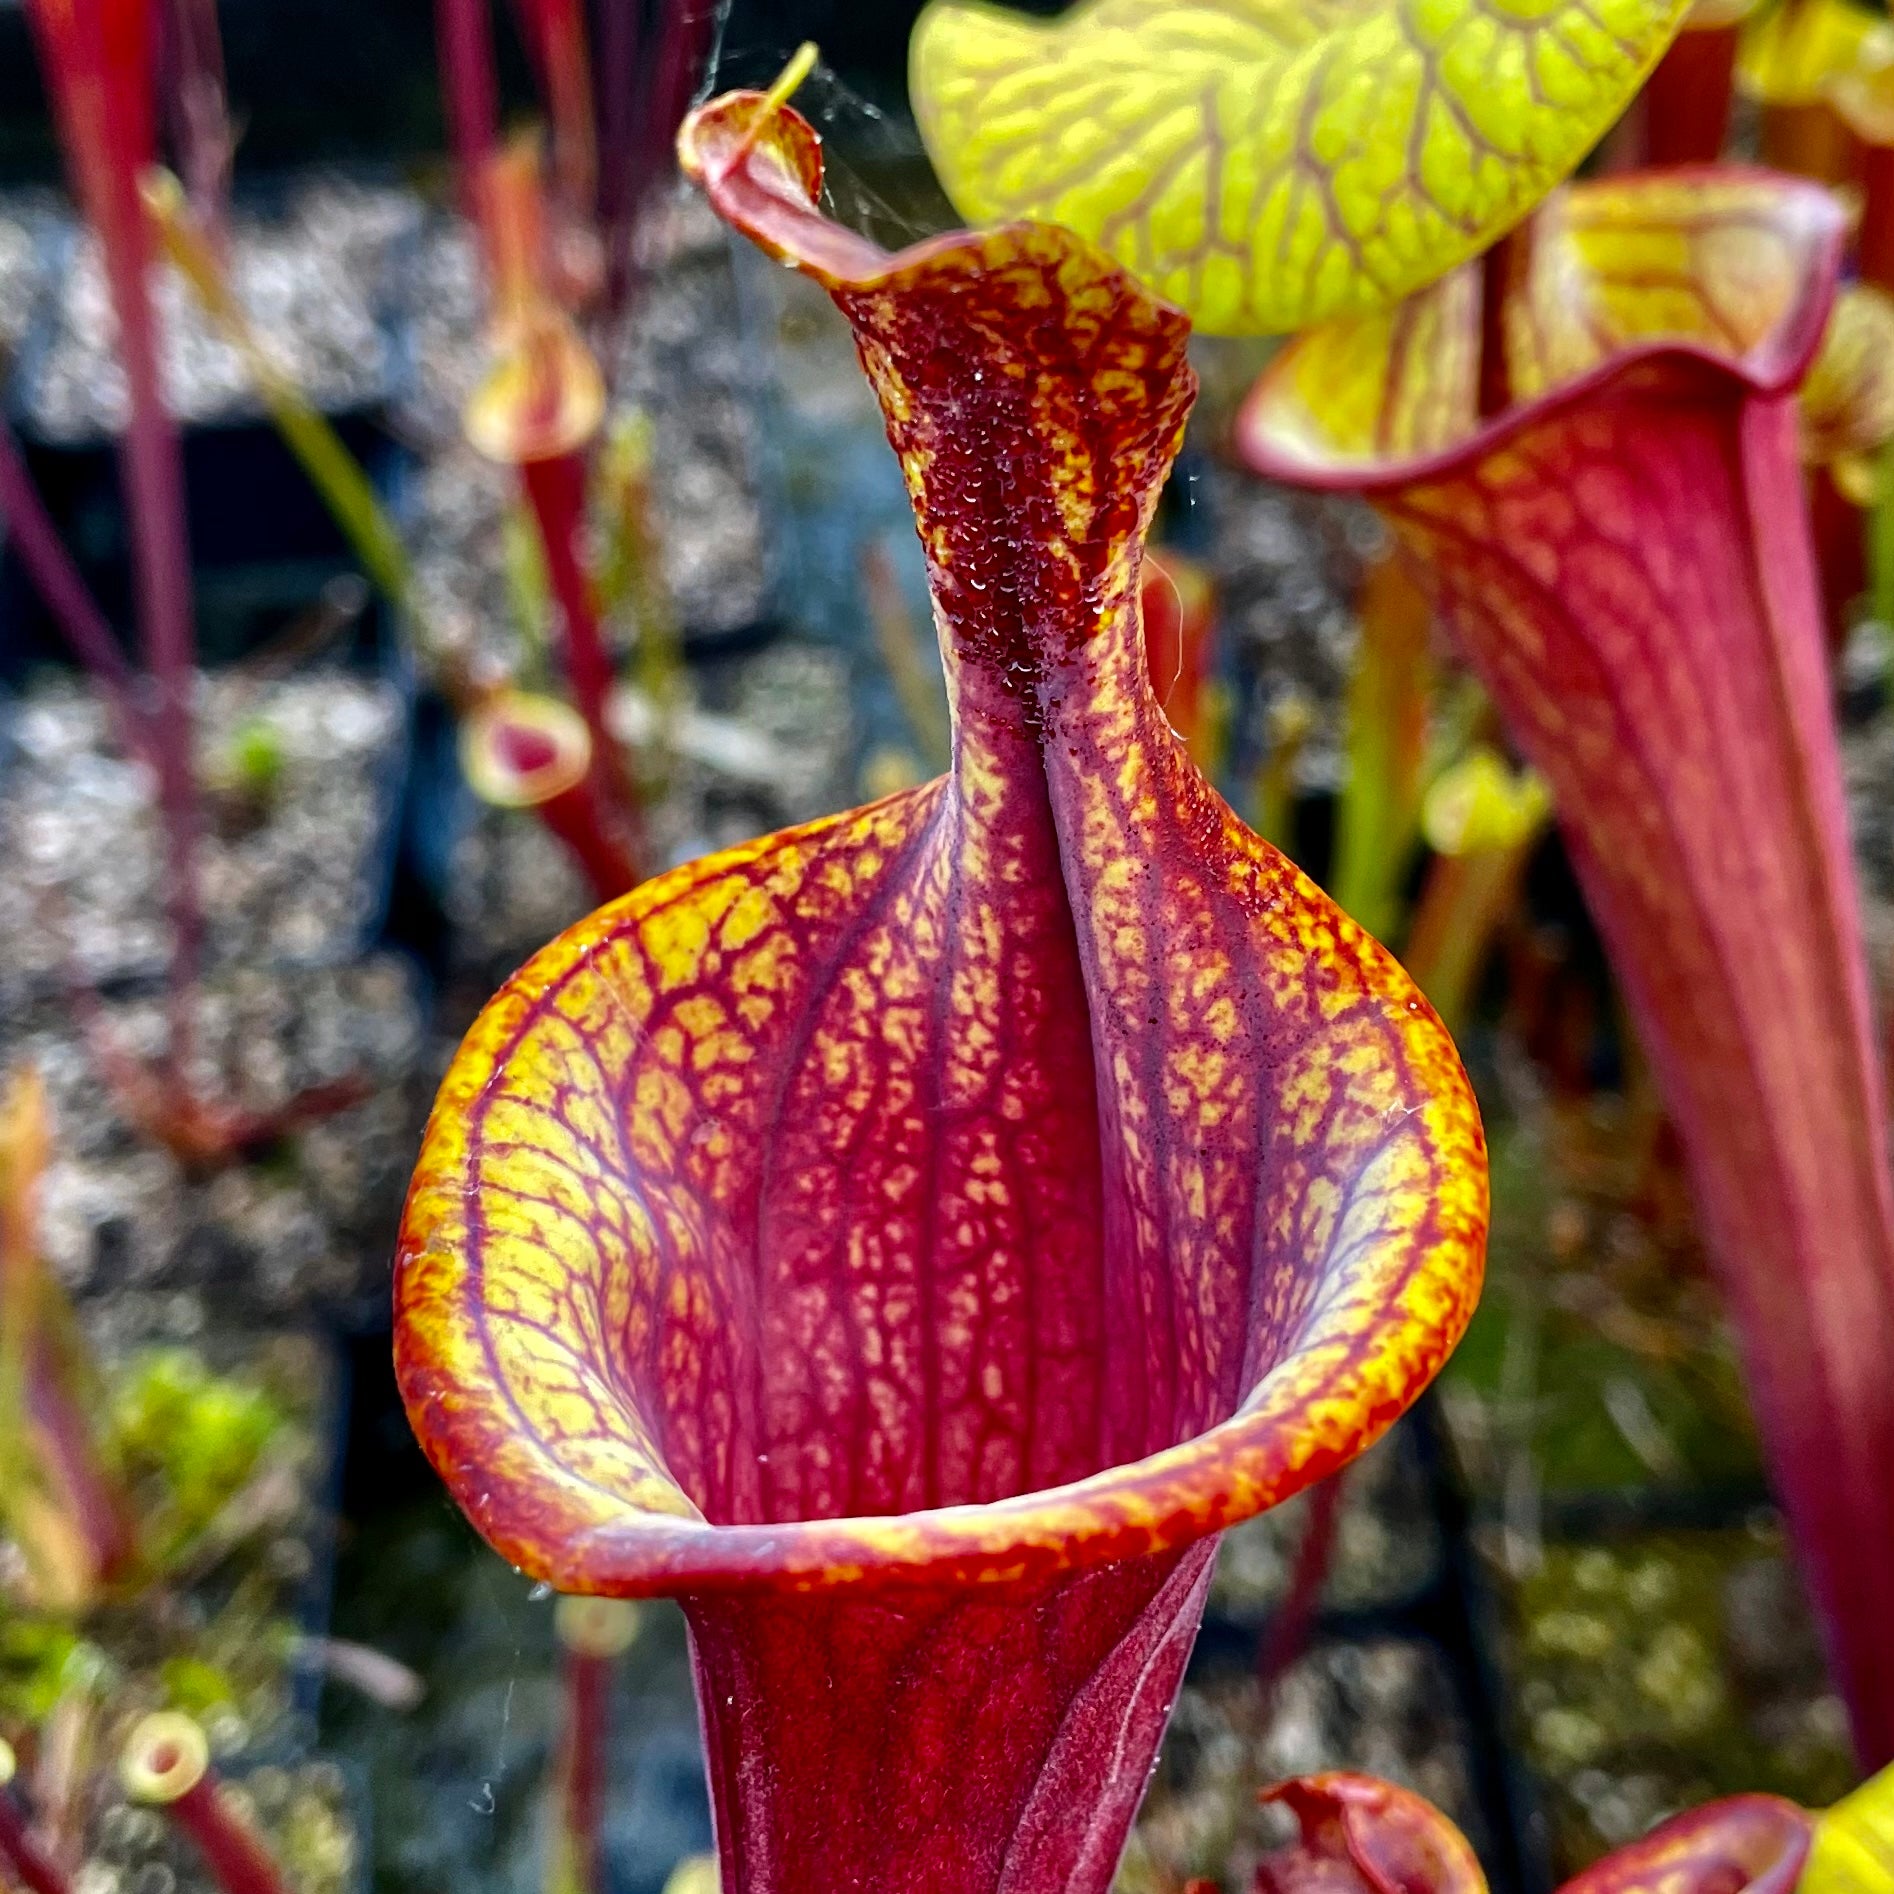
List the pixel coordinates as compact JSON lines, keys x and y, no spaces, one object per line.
{"x":315,"y":271}
{"x":301,"y":777}
{"x":685,"y":362}
{"x":372,"y":299}
{"x":28,"y":219}
{"x":162,"y":1252}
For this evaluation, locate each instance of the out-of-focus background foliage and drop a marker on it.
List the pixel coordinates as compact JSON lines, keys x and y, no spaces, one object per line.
{"x":1557,"y":1600}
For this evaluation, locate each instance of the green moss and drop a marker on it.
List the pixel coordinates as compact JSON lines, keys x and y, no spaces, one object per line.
{"x":1665,"y":1669}
{"x":191,"y":1440}
{"x":253,"y":760}
{"x":1598,"y":1359}
{"x":41,"y":1661}
{"x":197,"y":1687}
{"x":214,"y":1465}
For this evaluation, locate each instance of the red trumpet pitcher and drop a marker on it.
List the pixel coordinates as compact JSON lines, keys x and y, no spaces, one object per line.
{"x":1624,"y":554}
{"x":909,"y":1238}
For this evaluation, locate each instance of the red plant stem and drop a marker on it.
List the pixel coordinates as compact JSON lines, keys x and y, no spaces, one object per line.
{"x":200,"y":114}
{"x":23,"y":1856}
{"x":64,"y":594}
{"x":464,"y":37}
{"x":638,"y":122}
{"x":238,"y":1861}
{"x":619,"y":137}
{"x":1496,"y":272}
{"x":1875,"y":245}
{"x":1009,"y":1745}
{"x":202,"y":1134}
{"x":588,"y":1679}
{"x":683,"y":38}
{"x":1288,"y":1634}
{"x":154,"y":476}
{"x":1689,"y":743}
{"x":555,"y":35}
{"x":575,"y":817}
{"x":1686,"y":103}
{"x":556,"y":490}
{"x":1627,"y":562}
{"x":98,"y":62}
{"x":682,"y":47}
{"x":204,"y":1137}
{"x":155,"y":479}
{"x":95,"y":1504}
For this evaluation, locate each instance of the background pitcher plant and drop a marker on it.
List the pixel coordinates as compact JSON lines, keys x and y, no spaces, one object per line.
{"x":1624,"y":553}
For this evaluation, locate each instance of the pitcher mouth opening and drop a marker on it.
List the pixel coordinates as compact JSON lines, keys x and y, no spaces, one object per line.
{"x":1022,"y":1173}
{"x":1359,"y":1350}
{"x":1762,"y":339}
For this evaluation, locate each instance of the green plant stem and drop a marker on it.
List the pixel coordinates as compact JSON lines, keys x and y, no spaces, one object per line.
{"x":345,"y":489}
{"x":1881,"y":540}
{"x":1462,"y":906}
{"x":1378,"y":814}
{"x":631,"y":578}
{"x":334,"y":472}
{"x":1273,"y":786}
